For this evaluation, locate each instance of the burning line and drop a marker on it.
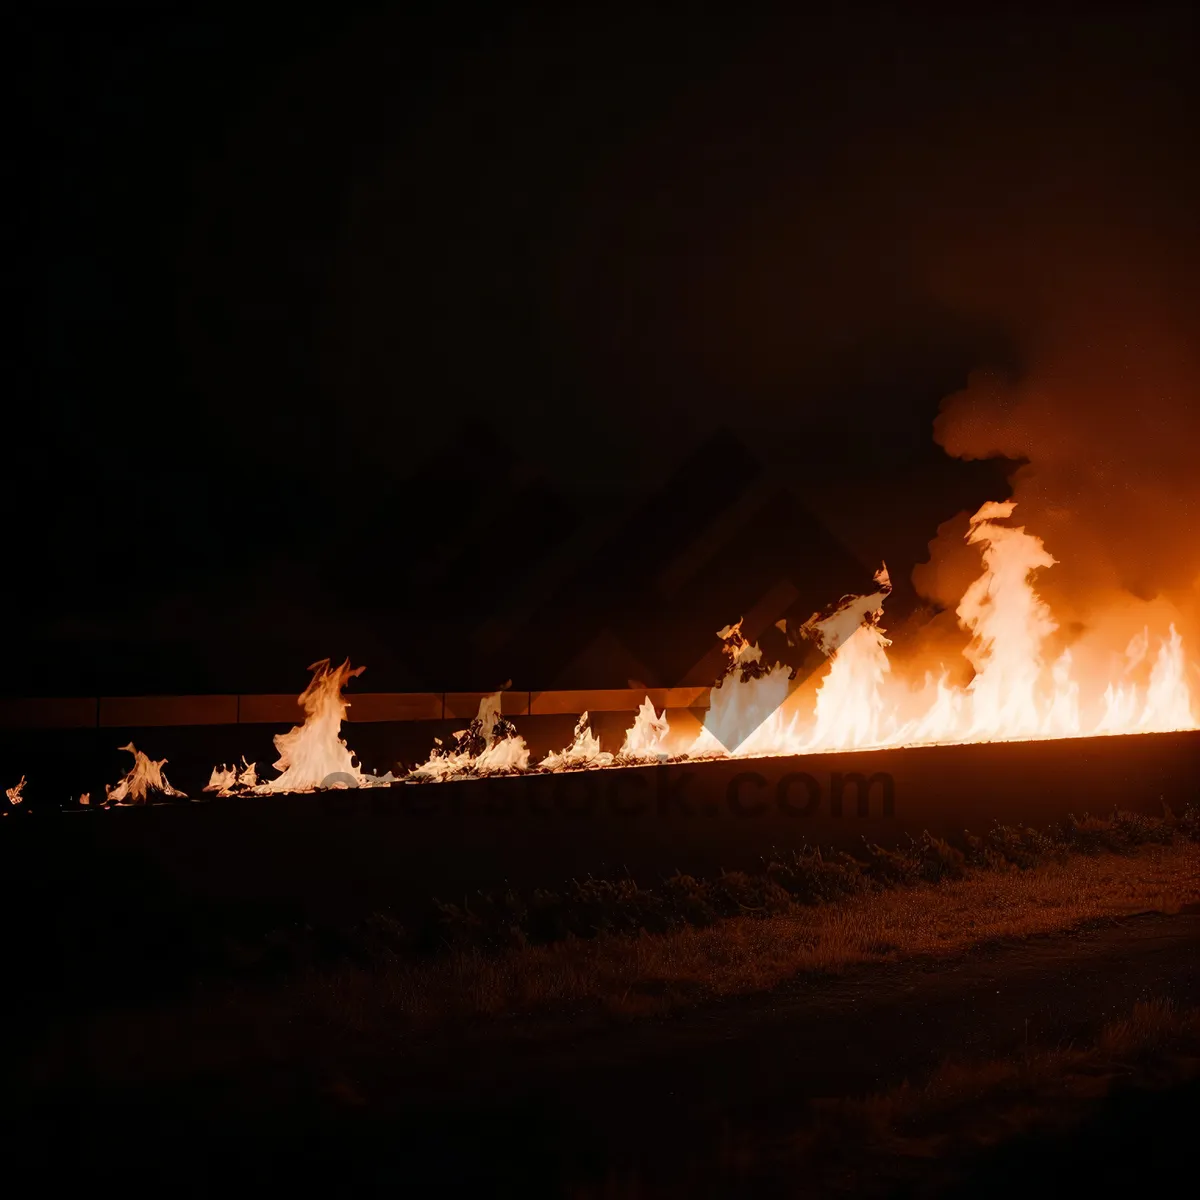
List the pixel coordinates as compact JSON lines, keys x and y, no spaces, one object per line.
{"x":755,"y":710}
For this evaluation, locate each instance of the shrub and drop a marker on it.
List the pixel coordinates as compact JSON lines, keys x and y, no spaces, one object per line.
{"x":490,"y":920}
{"x":591,"y":907}
{"x":937,"y":859}
{"x":811,"y":877}
{"x":735,"y":893}
{"x":1188,"y":825}
{"x":1093,"y":835}
{"x":1136,"y":829}
{"x":1026,"y":848}
{"x":687,"y":899}
{"x":981,"y":854}
{"x":892,"y":868}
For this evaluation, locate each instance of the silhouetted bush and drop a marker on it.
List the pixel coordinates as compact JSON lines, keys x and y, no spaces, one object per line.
{"x":892,"y":868}
{"x":937,"y":859}
{"x":1026,"y":848}
{"x":1137,"y":829}
{"x":257,"y":943}
{"x":1094,"y":835}
{"x":1188,"y":825}
{"x":811,"y":877}
{"x":788,"y":879}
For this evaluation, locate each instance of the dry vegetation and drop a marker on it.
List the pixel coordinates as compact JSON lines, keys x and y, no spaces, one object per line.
{"x":943,"y":1134}
{"x":570,"y":984}
{"x":649,"y":973}
{"x":384,"y":1032}
{"x":965,"y":1106}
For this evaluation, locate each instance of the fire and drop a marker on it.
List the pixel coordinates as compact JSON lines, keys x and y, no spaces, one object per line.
{"x":646,"y":739}
{"x":584,"y":751}
{"x":228,"y":781}
{"x":144,"y":779}
{"x":850,"y":708}
{"x":1022,"y":686}
{"x":944,"y":712}
{"x":1168,"y":701}
{"x":746,"y":706}
{"x":312,"y":753}
{"x":1063,"y":718}
{"x":490,"y":745}
{"x":1017,"y":690}
{"x":1015,"y":693}
{"x":14,"y":793}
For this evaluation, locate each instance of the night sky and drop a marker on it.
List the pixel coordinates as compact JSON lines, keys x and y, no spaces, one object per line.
{"x":338,"y":325}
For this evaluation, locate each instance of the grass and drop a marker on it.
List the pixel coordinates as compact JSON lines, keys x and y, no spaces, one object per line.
{"x":558,"y":988}
{"x":935,"y":1133}
{"x":516,"y":979}
{"x":615,"y":951}
{"x":649,"y":974}
{"x":789,"y":880}
{"x":956,"y":1128}
{"x":976,"y":1104}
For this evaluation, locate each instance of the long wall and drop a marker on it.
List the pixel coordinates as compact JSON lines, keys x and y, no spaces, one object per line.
{"x":145,"y":712}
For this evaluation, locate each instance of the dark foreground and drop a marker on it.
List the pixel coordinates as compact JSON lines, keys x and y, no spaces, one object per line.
{"x":327,"y":855}
{"x":688,"y":1105}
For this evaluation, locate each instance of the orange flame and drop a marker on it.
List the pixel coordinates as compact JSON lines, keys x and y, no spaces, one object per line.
{"x":646,"y":739}
{"x":229,"y":781}
{"x":584,"y":751}
{"x":1014,"y":693}
{"x":488,"y":746}
{"x":310,"y":753}
{"x":144,"y":778}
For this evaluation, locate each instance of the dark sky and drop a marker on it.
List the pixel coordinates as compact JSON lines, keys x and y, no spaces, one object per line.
{"x":299,"y":291}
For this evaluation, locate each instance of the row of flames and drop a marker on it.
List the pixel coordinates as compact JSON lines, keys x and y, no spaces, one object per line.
{"x":756,"y":709}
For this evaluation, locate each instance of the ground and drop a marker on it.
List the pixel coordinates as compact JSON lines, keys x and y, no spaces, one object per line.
{"x":709,"y":1078}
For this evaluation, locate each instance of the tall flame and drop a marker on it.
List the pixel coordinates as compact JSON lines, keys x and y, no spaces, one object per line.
{"x":1168,"y":701}
{"x":850,"y":706}
{"x":1014,"y":692}
{"x":311,"y":753}
{"x":1008,"y":622}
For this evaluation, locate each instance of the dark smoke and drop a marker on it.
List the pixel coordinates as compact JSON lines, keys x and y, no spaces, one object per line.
{"x":1081,"y":241}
